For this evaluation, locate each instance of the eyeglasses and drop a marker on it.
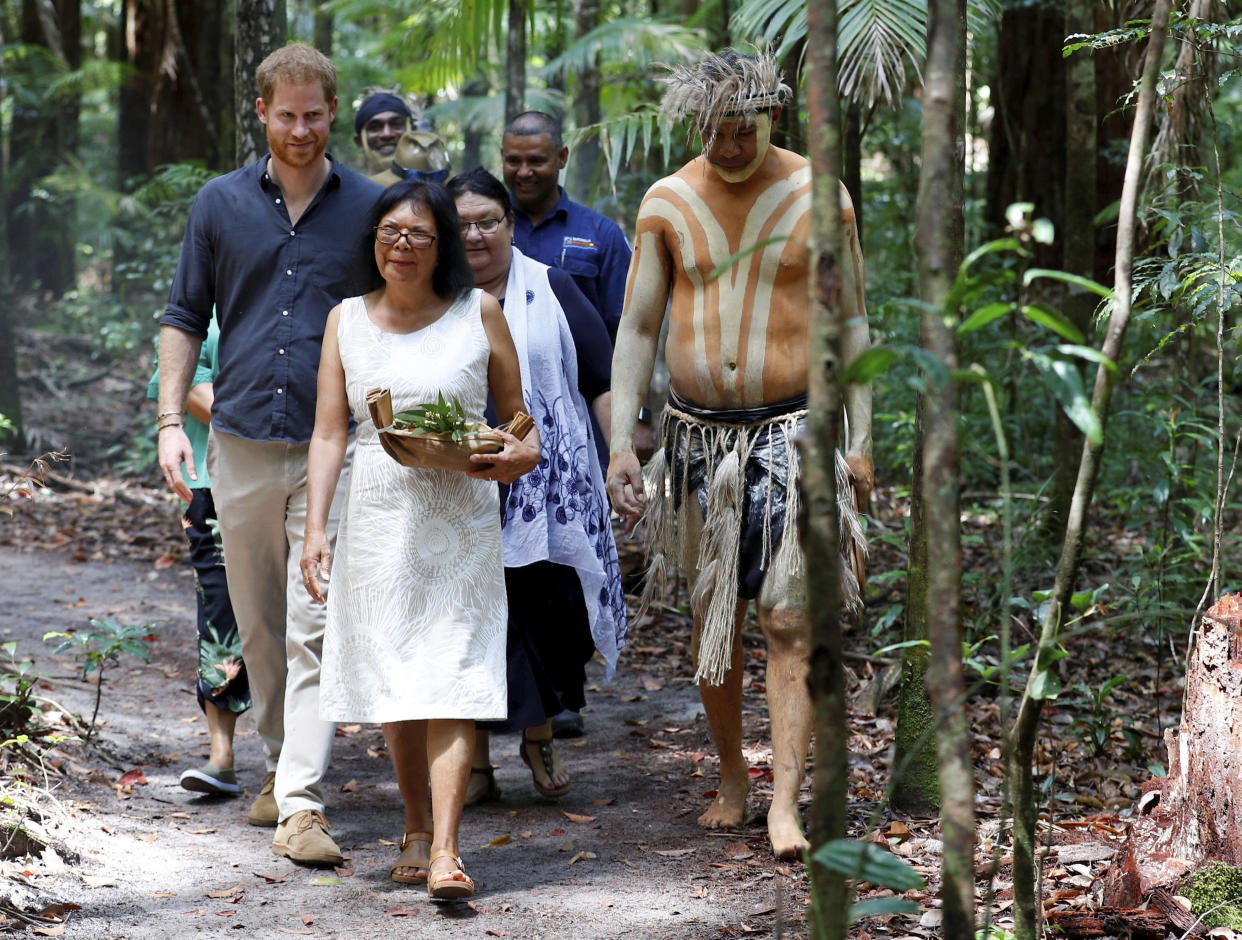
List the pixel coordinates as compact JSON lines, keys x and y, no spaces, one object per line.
{"x":390,"y":235}
{"x":484,"y":226}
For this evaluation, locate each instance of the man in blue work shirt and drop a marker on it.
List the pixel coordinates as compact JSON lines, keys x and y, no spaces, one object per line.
{"x":552,"y":228}
{"x":274,"y":246}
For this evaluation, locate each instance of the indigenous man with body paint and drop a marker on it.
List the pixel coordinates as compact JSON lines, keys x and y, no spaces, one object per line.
{"x":721,"y":496}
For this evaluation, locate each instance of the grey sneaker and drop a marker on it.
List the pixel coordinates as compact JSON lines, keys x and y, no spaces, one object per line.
{"x":303,"y":838}
{"x":264,"y":811}
{"x":208,"y":779}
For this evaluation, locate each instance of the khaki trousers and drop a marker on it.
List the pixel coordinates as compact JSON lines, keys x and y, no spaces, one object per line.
{"x":260,"y":494}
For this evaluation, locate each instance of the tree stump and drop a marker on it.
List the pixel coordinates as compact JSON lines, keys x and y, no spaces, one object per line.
{"x":1194,"y":815}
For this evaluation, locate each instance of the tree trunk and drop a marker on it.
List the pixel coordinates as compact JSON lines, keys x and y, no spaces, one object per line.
{"x":852,"y":168}
{"x":915,"y":786}
{"x":1042,"y":677}
{"x":43,"y":133}
{"x":1194,"y":814}
{"x":261,"y":29}
{"x":10,"y":386}
{"x":472,"y":137}
{"x":585,"y":159}
{"x":818,"y":523}
{"x":323,"y":29}
{"x":939,"y":243}
{"x":170,"y":103}
{"x":515,"y":61}
{"x":1026,"y":151}
{"x":1077,"y":239}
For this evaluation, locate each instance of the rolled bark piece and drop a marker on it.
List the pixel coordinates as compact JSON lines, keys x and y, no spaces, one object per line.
{"x":426,"y":451}
{"x":1194,"y":815}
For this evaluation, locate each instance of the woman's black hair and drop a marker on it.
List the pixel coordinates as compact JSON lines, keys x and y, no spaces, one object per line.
{"x":481,"y":183}
{"x":452,"y":273}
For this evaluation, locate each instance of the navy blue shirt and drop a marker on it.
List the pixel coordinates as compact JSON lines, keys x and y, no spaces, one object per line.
{"x":587,"y":245}
{"x":272,"y":284}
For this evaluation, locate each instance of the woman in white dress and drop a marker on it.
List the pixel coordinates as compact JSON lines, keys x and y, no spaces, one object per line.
{"x":415,"y":637}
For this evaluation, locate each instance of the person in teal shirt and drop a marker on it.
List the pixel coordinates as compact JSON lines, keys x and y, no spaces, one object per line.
{"x":222,"y":687}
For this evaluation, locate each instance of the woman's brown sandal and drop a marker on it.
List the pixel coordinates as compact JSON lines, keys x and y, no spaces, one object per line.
{"x":547,"y":756}
{"x":415,"y":848}
{"x":453,"y":885}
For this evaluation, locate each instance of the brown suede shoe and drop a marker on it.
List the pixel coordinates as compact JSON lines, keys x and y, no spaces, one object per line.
{"x":264,"y":811}
{"x":303,"y":838}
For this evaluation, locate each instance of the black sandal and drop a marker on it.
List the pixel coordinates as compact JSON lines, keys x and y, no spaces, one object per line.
{"x":548,"y":754}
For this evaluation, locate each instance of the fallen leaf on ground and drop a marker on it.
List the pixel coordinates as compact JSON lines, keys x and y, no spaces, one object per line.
{"x":162,"y":894}
{"x":227,"y":892}
{"x":199,"y":832}
{"x":301,"y":933}
{"x":59,"y":910}
{"x":55,"y":930}
{"x":402,"y":912}
{"x":131,"y":778}
{"x":673,"y":853}
{"x":581,"y":856}
{"x":343,"y":872}
{"x":307,"y":919}
{"x":351,"y":787}
{"x":527,"y":834}
{"x":146,"y":836}
{"x":566,"y":846}
{"x":577,"y":817}
{"x":98,"y":881}
{"x":501,"y":840}
{"x":343,"y":730}
{"x":325,"y":881}
{"x":738,"y":850}
{"x":605,"y":802}
{"x":651,"y":685}
{"x":271,"y":879}
{"x":558,"y":832}
{"x":179,"y":815}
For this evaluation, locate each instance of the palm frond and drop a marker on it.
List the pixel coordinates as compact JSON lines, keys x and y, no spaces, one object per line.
{"x":628,"y":134}
{"x":779,"y":24}
{"x":877,"y":39}
{"x":635,"y":44}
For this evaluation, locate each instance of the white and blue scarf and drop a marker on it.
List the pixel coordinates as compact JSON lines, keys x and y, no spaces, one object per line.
{"x":558,"y":512}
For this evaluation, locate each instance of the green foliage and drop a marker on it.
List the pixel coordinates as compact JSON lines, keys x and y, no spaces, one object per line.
{"x":17,"y":686}
{"x":866,"y":861}
{"x":441,"y":418}
{"x":1215,"y":893}
{"x":106,"y":643}
{"x":131,"y":242}
{"x":1095,"y":718}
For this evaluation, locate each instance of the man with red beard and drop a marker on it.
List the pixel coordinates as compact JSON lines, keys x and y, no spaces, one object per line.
{"x":273,"y":247}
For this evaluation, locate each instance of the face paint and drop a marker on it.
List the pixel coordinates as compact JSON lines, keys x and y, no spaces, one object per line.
{"x":739,"y":146}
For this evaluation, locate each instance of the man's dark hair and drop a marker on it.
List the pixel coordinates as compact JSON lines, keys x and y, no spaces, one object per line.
{"x":532,"y":123}
{"x":481,"y":183}
{"x":452,"y":273}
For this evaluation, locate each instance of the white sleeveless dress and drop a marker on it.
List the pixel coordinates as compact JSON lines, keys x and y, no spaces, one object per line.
{"x":416,"y":610}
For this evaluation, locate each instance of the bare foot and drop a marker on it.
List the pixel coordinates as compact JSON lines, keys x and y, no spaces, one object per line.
{"x":728,"y":810}
{"x":785,"y":833}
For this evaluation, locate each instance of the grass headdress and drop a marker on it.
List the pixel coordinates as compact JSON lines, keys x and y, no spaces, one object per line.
{"x":729,"y":84}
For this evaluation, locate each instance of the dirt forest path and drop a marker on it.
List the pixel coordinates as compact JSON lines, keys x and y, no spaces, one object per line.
{"x":620,"y":856}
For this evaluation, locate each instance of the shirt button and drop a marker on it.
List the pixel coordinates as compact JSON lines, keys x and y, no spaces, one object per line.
{"x":277,"y":200}
{"x":284,"y":313}
{"x":292,"y":233}
{"x":280,"y":391}
{"x":289,"y":271}
{"x":282,"y":352}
